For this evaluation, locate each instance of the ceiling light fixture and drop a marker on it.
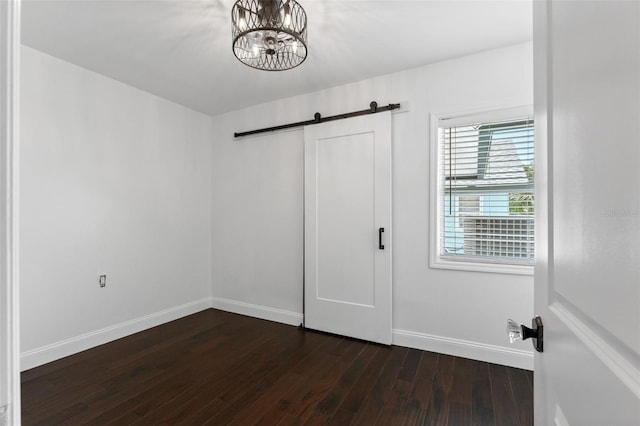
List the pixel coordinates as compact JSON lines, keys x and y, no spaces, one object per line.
{"x":269,"y":35}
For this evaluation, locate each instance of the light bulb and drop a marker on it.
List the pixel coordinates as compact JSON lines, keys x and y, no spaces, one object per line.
{"x":242,"y":21}
{"x":287,"y":16}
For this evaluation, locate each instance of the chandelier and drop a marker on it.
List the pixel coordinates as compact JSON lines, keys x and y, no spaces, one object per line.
{"x":269,"y":35}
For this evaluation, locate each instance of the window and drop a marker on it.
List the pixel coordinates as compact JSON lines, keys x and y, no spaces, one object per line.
{"x":483,"y":192}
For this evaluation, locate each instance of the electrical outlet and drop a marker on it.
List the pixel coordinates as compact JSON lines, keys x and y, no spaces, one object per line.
{"x":102,"y":281}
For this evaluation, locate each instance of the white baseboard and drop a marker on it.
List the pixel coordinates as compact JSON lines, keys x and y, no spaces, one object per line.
{"x":57,"y":350}
{"x":464,"y":348}
{"x":257,"y":311}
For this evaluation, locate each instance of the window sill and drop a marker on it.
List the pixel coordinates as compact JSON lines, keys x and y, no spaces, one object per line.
{"x":495,"y":268}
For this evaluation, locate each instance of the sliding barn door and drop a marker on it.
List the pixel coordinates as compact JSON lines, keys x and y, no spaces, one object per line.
{"x":348,"y":227}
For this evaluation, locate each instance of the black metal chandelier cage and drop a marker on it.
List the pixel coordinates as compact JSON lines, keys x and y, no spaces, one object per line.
{"x":269,"y":35}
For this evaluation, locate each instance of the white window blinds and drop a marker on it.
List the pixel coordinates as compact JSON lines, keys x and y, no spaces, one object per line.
{"x":486,"y":190}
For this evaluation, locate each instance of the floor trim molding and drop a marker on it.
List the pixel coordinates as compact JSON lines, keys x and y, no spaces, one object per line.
{"x":44,"y":354}
{"x":257,"y":311}
{"x":464,"y":348}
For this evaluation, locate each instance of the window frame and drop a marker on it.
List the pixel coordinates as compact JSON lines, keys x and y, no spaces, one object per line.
{"x":436,"y":260}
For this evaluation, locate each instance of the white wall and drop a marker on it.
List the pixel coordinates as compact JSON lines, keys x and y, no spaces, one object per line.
{"x":257,"y":222}
{"x":113,"y":181}
{"x":120,"y":182}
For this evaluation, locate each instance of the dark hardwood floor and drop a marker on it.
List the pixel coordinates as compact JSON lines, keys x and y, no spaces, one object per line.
{"x":218,"y":368}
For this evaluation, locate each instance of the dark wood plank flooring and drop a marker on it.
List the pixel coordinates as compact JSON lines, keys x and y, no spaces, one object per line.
{"x":218,"y":368}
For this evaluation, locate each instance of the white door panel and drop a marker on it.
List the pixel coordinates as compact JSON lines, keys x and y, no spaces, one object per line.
{"x":587,"y":279}
{"x":347,"y":200}
{"x":345,"y":171}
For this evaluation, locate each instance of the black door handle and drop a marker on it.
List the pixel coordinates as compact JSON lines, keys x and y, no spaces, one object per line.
{"x":380,"y":245}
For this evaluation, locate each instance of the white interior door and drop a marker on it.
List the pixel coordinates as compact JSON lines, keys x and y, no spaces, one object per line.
{"x":587,"y":278}
{"x":348,"y":227}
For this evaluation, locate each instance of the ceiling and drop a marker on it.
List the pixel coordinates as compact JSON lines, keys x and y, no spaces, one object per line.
{"x":181,"y":49}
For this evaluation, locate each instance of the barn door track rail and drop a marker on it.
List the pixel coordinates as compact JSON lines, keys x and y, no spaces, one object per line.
{"x":317,"y":118}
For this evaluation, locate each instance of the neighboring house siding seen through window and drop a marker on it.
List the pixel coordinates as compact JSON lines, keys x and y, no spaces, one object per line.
{"x":485,"y":191}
